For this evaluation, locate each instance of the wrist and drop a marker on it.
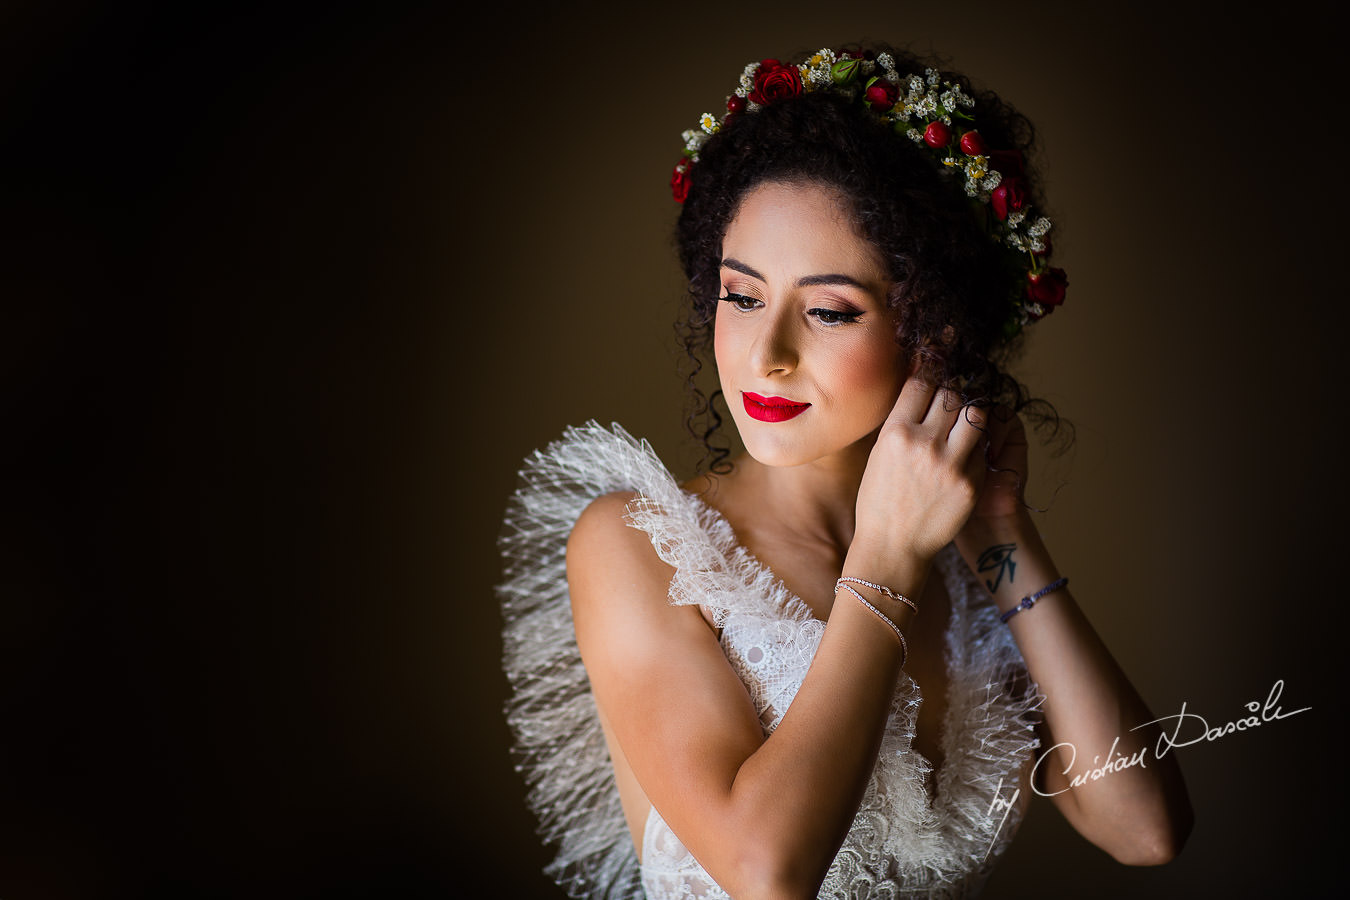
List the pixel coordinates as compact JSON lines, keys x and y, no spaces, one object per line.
{"x":903,"y":571}
{"x":1016,"y":526}
{"x":1010,"y":561}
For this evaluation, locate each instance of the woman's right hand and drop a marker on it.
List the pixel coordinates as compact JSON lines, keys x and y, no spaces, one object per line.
{"x":923,"y":475}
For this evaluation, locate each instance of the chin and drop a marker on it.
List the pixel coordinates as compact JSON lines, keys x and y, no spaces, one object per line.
{"x":782,"y":444}
{"x":796,"y":443}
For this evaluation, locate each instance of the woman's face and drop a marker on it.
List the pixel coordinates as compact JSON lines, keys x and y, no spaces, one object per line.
{"x":805,"y":345}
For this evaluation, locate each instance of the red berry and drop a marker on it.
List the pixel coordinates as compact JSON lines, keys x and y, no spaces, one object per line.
{"x":936,"y":135}
{"x":972,"y":144}
{"x":735,"y":103}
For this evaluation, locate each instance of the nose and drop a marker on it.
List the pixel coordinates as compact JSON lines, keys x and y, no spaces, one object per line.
{"x":776,"y":349}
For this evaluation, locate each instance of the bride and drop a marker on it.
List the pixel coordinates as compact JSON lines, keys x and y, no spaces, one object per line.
{"x":843,"y":660}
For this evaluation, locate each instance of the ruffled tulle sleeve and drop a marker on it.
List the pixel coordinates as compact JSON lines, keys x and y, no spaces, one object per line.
{"x":559,"y":746}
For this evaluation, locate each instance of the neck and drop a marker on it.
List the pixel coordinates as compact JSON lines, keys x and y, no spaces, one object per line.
{"x":818,"y":500}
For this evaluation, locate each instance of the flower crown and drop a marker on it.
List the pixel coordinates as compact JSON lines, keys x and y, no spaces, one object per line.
{"x":933,"y":113}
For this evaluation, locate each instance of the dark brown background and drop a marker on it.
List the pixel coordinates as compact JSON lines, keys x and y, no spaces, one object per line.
{"x":289,"y":294}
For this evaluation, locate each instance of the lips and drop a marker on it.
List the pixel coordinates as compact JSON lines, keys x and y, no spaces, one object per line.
{"x":771,"y":409}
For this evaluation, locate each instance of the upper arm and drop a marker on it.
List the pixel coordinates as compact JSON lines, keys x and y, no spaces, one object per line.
{"x":679,"y":712}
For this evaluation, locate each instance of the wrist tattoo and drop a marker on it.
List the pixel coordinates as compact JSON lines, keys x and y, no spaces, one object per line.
{"x":998,"y":560}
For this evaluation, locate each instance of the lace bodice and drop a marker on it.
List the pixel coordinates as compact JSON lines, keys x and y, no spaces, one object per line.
{"x":901,"y":843}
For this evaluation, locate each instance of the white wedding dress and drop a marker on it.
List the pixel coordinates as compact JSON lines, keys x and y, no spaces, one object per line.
{"x":901,"y":844}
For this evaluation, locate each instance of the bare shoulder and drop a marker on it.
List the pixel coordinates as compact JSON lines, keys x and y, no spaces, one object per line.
{"x":602,"y":531}
{"x":604,"y":549}
{"x":617,"y":582}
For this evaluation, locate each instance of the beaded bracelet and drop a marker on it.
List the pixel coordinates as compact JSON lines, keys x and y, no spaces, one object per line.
{"x":904,"y":645}
{"x":1027,"y":601}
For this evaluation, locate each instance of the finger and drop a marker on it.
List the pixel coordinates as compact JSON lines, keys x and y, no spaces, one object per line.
{"x":916,"y":396}
{"x":1004,"y":428}
{"x":943,"y":412}
{"x":975,"y":467}
{"x":969,"y":431}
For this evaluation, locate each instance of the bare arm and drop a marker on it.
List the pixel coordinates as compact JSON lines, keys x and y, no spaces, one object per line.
{"x":1139,"y":813}
{"x":765,"y":817}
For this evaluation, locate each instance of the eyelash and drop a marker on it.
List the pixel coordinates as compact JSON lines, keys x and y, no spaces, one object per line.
{"x":830,"y":318}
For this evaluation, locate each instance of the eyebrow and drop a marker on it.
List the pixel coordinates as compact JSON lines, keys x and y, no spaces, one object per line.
{"x":804,"y":281}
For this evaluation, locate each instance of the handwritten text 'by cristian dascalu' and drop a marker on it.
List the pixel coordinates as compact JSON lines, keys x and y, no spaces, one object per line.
{"x":1187,"y":728}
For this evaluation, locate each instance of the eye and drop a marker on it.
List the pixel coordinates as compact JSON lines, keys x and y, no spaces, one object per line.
{"x":741,"y":302}
{"x":833,"y":317}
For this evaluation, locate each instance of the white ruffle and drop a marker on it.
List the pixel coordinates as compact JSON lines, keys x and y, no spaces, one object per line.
{"x":899,"y":844}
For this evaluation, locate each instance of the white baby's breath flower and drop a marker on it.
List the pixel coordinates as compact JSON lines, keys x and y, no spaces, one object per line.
{"x":819,"y":76}
{"x":748,"y":77}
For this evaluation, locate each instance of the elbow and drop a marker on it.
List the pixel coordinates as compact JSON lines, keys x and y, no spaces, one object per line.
{"x":769,"y":875}
{"x":1159,"y":844}
{"x":1148,"y":853}
{"x":776,"y":884}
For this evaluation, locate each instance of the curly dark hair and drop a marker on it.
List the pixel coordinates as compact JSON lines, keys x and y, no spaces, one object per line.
{"x":951,"y":282}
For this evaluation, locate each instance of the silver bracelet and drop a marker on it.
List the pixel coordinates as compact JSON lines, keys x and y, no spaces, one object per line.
{"x":881,"y":589}
{"x":904,"y":647}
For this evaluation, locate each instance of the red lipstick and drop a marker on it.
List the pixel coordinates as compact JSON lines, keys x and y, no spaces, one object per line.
{"x":771,"y":409}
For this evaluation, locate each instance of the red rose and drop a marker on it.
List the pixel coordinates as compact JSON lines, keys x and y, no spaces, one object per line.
{"x":1047,"y":288}
{"x":679,"y":180}
{"x":775,"y":82}
{"x":972,"y":144}
{"x":882,"y":94}
{"x":936,"y":135}
{"x":1008,"y":197}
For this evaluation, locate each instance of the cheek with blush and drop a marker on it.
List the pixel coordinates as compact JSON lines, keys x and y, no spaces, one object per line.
{"x":869,"y":382}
